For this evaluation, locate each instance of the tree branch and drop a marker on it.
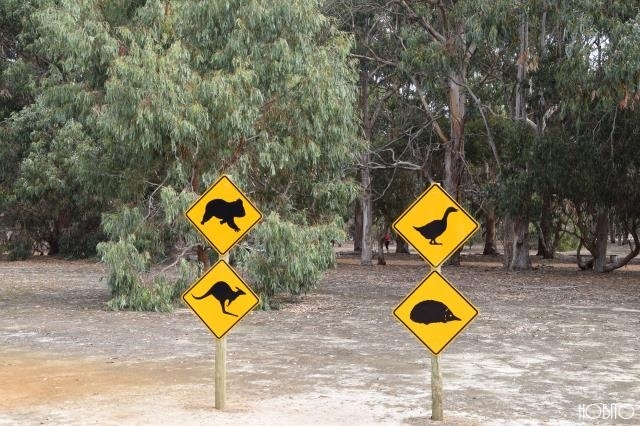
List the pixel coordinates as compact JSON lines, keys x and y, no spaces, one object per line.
{"x":436,"y":127}
{"x":490,"y":140}
{"x":374,"y":59}
{"x":435,"y":35}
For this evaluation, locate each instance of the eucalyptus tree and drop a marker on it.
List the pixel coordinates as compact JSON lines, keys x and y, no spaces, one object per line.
{"x":578,"y":57}
{"x":451,"y":54}
{"x":50,"y":138}
{"x":263,"y":91}
{"x":144,"y":103}
{"x":385,"y":112}
{"x":598,"y":84}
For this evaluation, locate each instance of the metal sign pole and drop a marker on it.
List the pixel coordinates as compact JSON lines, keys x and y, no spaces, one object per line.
{"x":221,"y":363}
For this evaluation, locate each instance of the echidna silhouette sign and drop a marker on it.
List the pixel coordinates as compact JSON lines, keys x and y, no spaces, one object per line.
{"x":435,"y":225}
{"x":435,"y":312}
{"x":223,"y":214}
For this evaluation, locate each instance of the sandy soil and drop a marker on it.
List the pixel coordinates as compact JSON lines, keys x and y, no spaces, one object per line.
{"x":546,"y":345}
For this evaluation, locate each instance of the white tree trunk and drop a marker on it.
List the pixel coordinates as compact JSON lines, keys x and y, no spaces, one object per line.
{"x":367,"y":211}
{"x":520,"y":254}
{"x":520,"y":259}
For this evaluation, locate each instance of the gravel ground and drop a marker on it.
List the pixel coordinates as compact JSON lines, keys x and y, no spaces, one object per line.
{"x":554,"y":346}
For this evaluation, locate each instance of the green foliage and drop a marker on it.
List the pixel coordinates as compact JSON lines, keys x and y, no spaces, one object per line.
{"x":131,"y":284}
{"x":127,"y":266}
{"x":20,"y":248}
{"x":287,"y":257}
{"x":567,"y":242}
{"x":80,"y":240}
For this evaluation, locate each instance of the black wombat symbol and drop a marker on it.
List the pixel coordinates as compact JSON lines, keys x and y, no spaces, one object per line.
{"x":431,"y":311}
{"x":226,"y":211}
{"x":223,"y":294}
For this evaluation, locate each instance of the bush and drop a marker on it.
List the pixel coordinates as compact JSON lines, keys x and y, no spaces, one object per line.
{"x":79,"y":242}
{"x":130,"y":281}
{"x":20,"y":249}
{"x":287,"y":257}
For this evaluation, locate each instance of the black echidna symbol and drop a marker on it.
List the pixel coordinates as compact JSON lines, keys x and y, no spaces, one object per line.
{"x":432,"y":311}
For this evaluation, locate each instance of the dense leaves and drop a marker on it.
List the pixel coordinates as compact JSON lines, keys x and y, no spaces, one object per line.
{"x":141,"y":105}
{"x":116,"y":115}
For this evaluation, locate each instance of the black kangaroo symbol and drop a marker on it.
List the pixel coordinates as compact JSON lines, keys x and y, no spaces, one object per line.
{"x":435,"y":228}
{"x":224,"y":294}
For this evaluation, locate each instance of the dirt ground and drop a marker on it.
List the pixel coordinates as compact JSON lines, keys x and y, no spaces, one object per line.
{"x":550,"y":346}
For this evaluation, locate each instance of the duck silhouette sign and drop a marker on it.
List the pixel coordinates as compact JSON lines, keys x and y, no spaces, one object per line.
{"x":435,"y":225}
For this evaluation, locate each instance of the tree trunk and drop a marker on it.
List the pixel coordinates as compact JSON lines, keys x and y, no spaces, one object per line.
{"x":401,"y":245}
{"x":454,"y":149}
{"x":546,"y":241}
{"x":62,"y":222}
{"x":203,"y":256}
{"x":507,"y":242}
{"x":381,"y":259}
{"x":367,"y":213}
{"x":357,"y":227}
{"x":602,"y":237}
{"x":520,"y":258}
{"x":490,"y":248}
{"x":365,"y":170}
{"x":54,"y":246}
{"x":520,"y":225}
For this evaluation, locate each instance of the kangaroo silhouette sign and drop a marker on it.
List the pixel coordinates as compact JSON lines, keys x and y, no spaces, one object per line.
{"x":223,"y":215}
{"x":435,"y":312}
{"x":220,"y":298}
{"x":435,"y":225}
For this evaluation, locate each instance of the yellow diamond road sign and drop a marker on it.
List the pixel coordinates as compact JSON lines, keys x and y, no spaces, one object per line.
{"x":220,"y":298}
{"x":223,"y":214}
{"x":435,"y":312}
{"x":435,"y":225}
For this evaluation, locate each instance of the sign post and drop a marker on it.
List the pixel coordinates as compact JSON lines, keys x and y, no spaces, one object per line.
{"x":221,"y":365}
{"x":220,"y":298}
{"x":435,"y":311}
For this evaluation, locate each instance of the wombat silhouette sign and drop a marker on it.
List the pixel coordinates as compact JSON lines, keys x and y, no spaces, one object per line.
{"x":435,"y":312}
{"x":223,"y":215}
{"x":220,"y":298}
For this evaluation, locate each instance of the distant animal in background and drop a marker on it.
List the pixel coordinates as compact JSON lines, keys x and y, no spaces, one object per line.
{"x":431,"y":311}
{"x":435,"y":228}
{"x":223,"y":294}
{"x":224,"y":210}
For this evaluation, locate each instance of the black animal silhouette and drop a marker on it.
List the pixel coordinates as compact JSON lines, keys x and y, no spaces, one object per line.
{"x":224,"y":294}
{"x":431,"y":311}
{"x":227,"y":211}
{"x":435,"y":228}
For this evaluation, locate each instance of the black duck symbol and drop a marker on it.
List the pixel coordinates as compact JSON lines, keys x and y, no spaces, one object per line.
{"x":223,"y":294}
{"x":435,"y":228}
{"x":432,"y":311}
{"x":224,"y":210}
